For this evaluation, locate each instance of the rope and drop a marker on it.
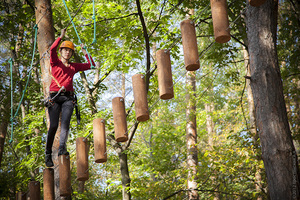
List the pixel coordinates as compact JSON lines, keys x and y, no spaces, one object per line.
{"x":94,"y":18}
{"x":92,"y":66}
{"x":33,"y":54}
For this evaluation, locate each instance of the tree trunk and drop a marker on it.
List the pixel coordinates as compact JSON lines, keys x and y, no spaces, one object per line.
{"x":125,"y":174}
{"x":278,"y":152}
{"x":191,"y":136}
{"x":253,"y":127}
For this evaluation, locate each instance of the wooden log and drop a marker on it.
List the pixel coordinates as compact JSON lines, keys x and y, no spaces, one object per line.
{"x":34,"y":190}
{"x":140,"y":97}
{"x":48,"y":177}
{"x":99,"y":140}
{"x":189,"y":43}
{"x":82,"y":153}
{"x":164,"y":73}
{"x":220,"y":20}
{"x":120,"y":122}
{"x":64,"y":175}
{"x":20,"y":195}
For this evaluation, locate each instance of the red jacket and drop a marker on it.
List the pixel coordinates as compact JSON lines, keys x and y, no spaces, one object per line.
{"x":64,"y":75}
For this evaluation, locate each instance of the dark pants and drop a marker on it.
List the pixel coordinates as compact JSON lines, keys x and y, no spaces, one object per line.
{"x":65,"y":106}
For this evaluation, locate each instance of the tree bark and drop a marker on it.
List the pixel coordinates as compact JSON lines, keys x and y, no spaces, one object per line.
{"x":191,"y":136}
{"x":278,"y":152}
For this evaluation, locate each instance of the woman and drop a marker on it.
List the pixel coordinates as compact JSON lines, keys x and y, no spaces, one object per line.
{"x":62,"y":92}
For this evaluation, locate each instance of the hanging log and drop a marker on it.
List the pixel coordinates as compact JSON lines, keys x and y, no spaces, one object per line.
{"x":20,"y":196}
{"x":49,"y":184}
{"x":220,"y":20}
{"x":99,"y":140}
{"x":164,"y":73}
{"x":82,"y":151}
{"x":189,"y":43}
{"x":64,"y":175}
{"x":140,"y":97}
{"x":256,"y":3}
{"x":120,"y":122}
{"x":34,"y":190}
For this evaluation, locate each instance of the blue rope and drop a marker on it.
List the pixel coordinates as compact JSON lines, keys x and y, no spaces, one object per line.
{"x":94,"y":18}
{"x":92,"y":66}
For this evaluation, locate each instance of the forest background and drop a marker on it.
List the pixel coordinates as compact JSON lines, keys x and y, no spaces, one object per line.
{"x":229,"y":158}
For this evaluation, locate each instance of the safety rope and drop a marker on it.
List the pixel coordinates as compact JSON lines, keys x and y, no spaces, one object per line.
{"x":94,"y":18}
{"x":14,"y":116}
{"x":92,"y":66}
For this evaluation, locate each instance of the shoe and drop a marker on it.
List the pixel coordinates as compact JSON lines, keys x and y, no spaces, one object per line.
{"x":48,"y":160}
{"x":62,"y":151}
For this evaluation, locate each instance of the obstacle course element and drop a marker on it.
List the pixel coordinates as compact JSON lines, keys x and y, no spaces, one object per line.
{"x":120,"y":122}
{"x":164,"y":73}
{"x":220,"y":20}
{"x":189,"y":43}
{"x":34,"y":190}
{"x":140,"y":97}
{"x":99,"y":140}
{"x":82,"y":155}
{"x":256,"y":3}
{"x":48,"y":177}
{"x":64,"y":175}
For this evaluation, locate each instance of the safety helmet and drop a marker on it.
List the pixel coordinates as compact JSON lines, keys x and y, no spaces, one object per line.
{"x":67,"y":44}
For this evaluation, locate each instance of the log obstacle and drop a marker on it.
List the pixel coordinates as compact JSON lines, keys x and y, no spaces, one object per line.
{"x":82,"y":158}
{"x":34,"y":190}
{"x":220,"y":20}
{"x":164,"y":73}
{"x":48,"y":177}
{"x":256,"y":3}
{"x":140,"y":97}
{"x":189,"y":43}
{"x":64,"y":175}
{"x":120,"y":123}
{"x":20,"y":195}
{"x":99,"y":140}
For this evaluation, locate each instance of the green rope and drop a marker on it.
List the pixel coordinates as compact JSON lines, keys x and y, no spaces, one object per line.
{"x":34,"y":46}
{"x":11,"y":97}
{"x":94,"y":18}
{"x":92,"y":66}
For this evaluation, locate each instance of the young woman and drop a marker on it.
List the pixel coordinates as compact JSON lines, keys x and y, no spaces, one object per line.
{"x":62,"y":92}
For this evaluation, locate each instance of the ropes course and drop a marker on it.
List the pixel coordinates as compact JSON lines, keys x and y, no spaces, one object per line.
{"x":136,"y":122}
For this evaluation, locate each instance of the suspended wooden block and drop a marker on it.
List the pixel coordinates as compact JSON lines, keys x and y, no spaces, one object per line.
{"x":82,"y":153}
{"x":189,"y":43}
{"x":49,"y":184}
{"x":99,"y":140}
{"x":256,"y":3}
{"x":20,"y":196}
{"x":64,"y":175}
{"x":164,"y":73}
{"x":34,"y":190}
{"x":220,"y":20}
{"x":140,"y":97}
{"x":120,"y":122}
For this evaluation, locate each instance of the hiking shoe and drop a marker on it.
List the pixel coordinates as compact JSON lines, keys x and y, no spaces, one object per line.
{"x":62,"y":151}
{"x":48,"y":160}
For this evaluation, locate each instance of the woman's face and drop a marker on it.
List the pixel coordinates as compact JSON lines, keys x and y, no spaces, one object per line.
{"x":66,"y":53}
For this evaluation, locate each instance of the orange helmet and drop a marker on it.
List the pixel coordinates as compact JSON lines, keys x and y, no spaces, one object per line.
{"x":67,"y":44}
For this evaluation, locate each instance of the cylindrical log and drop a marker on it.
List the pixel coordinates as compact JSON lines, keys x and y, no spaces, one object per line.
{"x":82,"y":153}
{"x":256,"y":3}
{"x":99,"y":140}
{"x":220,"y":20}
{"x":64,"y":175}
{"x":34,"y":190}
{"x":189,"y":43}
{"x":20,"y":196}
{"x":49,"y":184}
{"x":140,"y":97}
{"x":120,"y":122}
{"x":164,"y":73}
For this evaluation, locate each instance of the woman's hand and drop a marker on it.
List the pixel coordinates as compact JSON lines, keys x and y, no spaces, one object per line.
{"x":83,"y":48}
{"x":63,"y":32}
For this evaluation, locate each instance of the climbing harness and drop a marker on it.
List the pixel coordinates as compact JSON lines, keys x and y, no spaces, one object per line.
{"x":92,"y":66}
